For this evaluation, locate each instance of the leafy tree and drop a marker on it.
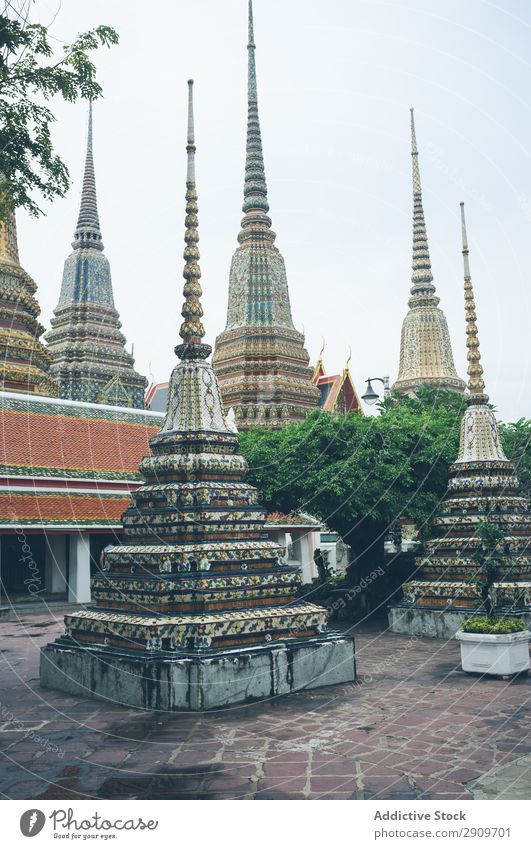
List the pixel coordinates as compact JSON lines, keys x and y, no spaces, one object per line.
{"x":30,"y":75}
{"x":358,"y":473}
{"x":516,"y":439}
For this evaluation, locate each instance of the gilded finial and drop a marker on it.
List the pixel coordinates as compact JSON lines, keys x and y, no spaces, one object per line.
{"x":348,"y":358}
{"x":192,"y":330}
{"x":476,"y":384}
{"x":319,"y":365}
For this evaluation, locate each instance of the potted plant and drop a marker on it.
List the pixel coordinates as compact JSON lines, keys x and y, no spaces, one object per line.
{"x":492,"y":645}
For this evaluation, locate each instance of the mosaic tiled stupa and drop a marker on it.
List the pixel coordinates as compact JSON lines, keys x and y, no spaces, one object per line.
{"x":260,"y":360}
{"x":426,"y":357}
{"x":197,"y":608}
{"x":90,"y":362}
{"x":24,"y":361}
{"x":483,"y":486}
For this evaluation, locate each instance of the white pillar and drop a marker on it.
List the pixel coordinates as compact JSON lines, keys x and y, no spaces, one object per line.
{"x":55,"y":568}
{"x":312,"y":542}
{"x":79,"y":568}
{"x":302,"y":543}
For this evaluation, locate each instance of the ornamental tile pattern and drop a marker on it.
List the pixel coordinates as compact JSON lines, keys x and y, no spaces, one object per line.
{"x":260,"y":359}
{"x":483,"y":487}
{"x":426,"y":357}
{"x":24,"y":361}
{"x":90,"y":362}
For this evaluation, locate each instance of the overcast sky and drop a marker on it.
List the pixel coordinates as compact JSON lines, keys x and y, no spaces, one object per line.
{"x":336,"y":79}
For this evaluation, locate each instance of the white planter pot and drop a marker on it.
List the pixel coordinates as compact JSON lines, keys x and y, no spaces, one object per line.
{"x":494,"y":654}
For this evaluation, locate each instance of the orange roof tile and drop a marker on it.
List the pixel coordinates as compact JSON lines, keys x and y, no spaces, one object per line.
{"x":55,"y":440}
{"x":45,"y":510}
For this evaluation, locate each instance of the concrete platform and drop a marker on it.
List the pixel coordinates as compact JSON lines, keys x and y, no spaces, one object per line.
{"x":425,"y":622}
{"x":199,"y":682}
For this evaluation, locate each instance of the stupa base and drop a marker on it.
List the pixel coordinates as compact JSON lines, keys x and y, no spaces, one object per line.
{"x":199,"y":682}
{"x":442,"y":623}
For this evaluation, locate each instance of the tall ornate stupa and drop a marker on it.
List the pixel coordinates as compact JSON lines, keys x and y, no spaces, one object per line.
{"x":24,"y":361}
{"x":483,"y":486}
{"x":426,"y":357}
{"x":260,"y":359}
{"x":90,"y":362}
{"x":197,"y":608}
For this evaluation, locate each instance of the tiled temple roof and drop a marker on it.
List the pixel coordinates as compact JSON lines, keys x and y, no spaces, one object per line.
{"x":41,"y":510}
{"x":69,"y":464}
{"x":60,"y":439}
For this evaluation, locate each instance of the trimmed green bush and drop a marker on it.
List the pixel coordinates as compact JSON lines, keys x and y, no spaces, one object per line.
{"x":492,"y":625}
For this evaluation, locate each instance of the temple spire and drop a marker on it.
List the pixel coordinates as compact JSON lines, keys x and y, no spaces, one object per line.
{"x":24,"y":361}
{"x":192,"y":330}
{"x":483,"y":487}
{"x":476,"y":384}
{"x":90,"y":359}
{"x":88,"y":233}
{"x":421,"y":276}
{"x":255,"y":188}
{"x":260,"y":359}
{"x":426,"y":357}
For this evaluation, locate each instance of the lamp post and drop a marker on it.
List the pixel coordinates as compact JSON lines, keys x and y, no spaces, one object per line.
{"x":370,"y":396}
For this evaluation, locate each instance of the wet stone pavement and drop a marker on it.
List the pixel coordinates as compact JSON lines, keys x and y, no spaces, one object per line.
{"x":413,"y":727}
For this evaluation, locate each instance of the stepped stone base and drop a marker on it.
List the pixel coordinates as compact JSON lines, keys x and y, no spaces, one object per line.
{"x":442,"y":624}
{"x":200,"y":682}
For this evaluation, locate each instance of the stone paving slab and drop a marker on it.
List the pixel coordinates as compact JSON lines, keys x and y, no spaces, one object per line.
{"x":413,"y":727}
{"x":510,"y":781}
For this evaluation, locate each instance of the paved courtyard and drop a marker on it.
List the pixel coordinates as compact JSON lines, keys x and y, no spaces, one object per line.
{"x":413,"y":727}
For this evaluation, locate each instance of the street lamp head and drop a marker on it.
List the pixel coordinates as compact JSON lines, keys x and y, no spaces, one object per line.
{"x":370,"y":396}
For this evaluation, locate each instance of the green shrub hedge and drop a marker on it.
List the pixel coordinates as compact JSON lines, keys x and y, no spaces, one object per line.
{"x":486,"y":625}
